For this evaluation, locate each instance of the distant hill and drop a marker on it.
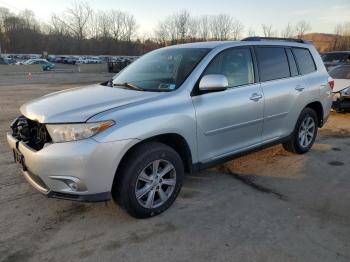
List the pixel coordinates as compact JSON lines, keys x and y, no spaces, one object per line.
{"x":323,"y":42}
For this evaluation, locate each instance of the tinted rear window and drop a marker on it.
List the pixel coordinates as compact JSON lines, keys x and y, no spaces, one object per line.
{"x":305,"y":61}
{"x":273,"y":63}
{"x":342,"y":72}
{"x":335,"y":57}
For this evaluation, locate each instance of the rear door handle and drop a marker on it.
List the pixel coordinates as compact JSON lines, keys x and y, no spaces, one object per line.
{"x":256,"y":97}
{"x":299,"y":88}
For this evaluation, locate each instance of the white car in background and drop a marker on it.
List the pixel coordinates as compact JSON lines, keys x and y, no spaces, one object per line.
{"x":341,"y":76}
{"x":94,"y":60}
{"x":81,"y":61}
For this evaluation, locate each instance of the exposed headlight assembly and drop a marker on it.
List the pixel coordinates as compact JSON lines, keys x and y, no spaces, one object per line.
{"x":73,"y":132}
{"x":345,"y":91}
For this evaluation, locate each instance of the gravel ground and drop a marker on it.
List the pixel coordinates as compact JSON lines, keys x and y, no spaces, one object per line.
{"x":267,"y":206}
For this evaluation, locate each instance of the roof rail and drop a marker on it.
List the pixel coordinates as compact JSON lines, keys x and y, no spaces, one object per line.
{"x":259,"y":38}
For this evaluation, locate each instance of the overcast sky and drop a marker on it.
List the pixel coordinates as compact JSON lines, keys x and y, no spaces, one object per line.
{"x":323,"y":15}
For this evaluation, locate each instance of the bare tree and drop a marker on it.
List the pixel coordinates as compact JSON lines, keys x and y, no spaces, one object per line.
{"x":161,"y":33}
{"x":267,"y":30}
{"x":204,"y":31}
{"x":182,"y":23}
{"x":221,"y":27}
{"x":76,"y":19}
{"x":342,"y":40}
{"x":288,"y":32}
{"x":130,"y":27}
{"x":194,"y":29}
{"x":251,"y":32}
{"x":301,"y":28}
{"x":57,"y":27}
{"x":174,"y":28}
{"x":123,"y":25}
{"x":4,"y":13}
{"x":117,"y":24}
{"x":29,"y":17}
{"x":237,"y":29}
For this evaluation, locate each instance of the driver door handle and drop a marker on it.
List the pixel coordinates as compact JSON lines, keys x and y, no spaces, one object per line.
{"x":256,"y":97}
{"x":299,"y":88}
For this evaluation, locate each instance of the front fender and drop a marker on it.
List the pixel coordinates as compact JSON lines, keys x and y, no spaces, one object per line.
{"x":173,"y":114}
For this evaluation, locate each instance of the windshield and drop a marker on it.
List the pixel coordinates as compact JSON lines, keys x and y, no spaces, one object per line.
{"x":336,"y":57}
{"x":161,"y":70}
{"x":342,"y":72}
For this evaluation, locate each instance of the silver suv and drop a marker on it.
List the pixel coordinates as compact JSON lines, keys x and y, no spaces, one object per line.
{"x":177,"y":109}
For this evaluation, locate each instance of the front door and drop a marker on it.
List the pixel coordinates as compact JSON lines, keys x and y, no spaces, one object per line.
{"x":231,"y":120}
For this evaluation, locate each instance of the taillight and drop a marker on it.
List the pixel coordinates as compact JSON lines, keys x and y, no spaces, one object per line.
{"x":331,"y":82}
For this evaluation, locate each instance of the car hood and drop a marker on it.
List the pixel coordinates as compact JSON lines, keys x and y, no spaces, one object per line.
{"x":79,"y":104}
{"x":340,"y":84}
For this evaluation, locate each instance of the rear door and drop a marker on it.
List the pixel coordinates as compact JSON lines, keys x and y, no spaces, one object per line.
{"x":230,"y":120}
{"x":283,"y":90}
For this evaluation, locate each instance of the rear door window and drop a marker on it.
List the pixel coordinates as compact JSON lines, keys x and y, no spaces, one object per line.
{"x":304,"y":60}
{"x":272,"y":63}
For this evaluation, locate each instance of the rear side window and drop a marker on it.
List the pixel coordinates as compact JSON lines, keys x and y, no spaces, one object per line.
{"x":272,"y":62}
{"x":305,"y":61}
{"x":292,"y":64}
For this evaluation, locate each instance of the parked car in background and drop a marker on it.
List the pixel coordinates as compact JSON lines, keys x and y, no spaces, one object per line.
{"x":176,"y":109}
{"x":10,"y":61}
{"x":72,"y":60}
{"x":51,"y":58}
{"x":93,"y":60}
{"x":333,"y":59}
{"x":341,"y":76}
{"x":2,"y":61}
{"x":59,"y":59}
{"x":81,"y":60}
{"x":46,"y":65}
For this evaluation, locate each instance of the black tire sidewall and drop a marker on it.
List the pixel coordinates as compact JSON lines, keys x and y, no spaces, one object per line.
{"x":143,"y":157}
{"x":307,"y":112}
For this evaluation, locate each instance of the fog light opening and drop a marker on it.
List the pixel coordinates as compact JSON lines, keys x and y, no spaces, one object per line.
{"x":73,"y":185}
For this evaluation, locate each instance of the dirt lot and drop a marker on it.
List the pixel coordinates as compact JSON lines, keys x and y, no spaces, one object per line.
{"x":268,"y":206}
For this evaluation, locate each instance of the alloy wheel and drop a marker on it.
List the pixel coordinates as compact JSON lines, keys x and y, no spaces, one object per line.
{"x":155,"y":184}
{"x":307,"y":131}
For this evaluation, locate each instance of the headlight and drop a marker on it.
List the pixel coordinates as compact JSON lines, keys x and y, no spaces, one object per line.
{"x":345,"y":91}
{"x":72,"y":132}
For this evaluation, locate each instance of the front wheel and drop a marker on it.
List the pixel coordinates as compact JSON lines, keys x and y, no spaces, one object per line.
{"x":149,"y":181}
{"x":304,"y":134}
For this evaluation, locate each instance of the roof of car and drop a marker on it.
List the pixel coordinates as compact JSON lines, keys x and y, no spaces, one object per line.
{"x":215,"y":44}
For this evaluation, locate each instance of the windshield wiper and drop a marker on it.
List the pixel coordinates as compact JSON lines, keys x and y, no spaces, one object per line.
{"x":130,"y":86}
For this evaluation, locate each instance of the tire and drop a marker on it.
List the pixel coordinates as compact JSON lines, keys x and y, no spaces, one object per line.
{"x":140,"y":190}
{"x":296,"y":144}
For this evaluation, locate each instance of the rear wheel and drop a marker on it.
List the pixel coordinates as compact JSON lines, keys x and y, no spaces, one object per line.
{"x":149,"y":181}
{"x":304,"y":134}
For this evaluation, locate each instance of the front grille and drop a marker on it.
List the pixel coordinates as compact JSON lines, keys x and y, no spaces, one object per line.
{"x":33,"y":133}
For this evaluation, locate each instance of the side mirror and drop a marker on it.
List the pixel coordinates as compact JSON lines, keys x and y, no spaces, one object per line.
{"x":213,"y":83}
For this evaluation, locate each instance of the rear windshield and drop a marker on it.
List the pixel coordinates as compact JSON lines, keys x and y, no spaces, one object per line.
{"x":336,"y":57}
{"x":342,"y":72}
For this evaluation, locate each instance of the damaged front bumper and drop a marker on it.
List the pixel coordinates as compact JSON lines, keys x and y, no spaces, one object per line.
{"x":82,"y":170}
